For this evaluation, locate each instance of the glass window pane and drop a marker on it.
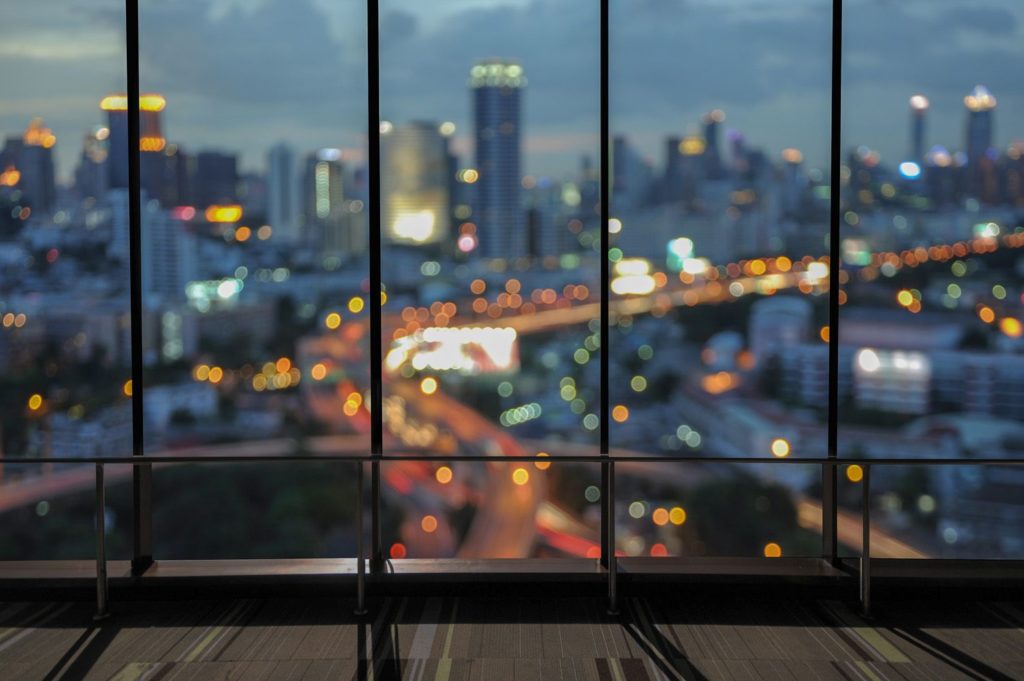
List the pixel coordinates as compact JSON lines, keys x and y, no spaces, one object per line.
{"x":65,"y":349}
{"x":490,"y":232}
{"x":254,"y":252}
{"x":720,"y":117}
{"x":931,"y":335}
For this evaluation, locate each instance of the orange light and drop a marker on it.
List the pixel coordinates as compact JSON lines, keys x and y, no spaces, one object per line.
{"x":127,"y":388}
{"x":242,"y":234}
{"x":216,"y":374}
{"x":428,"y":386}
{"x":10,"y":177}
{"x":677,"y":516}
{"x":35,"y":402}
{"x":318,"y":372}
{"x":223,"y":214}
{"x":152,"y":143}
{"x":823,"y":334}
{"x":520,"y":476}
{"x":772,"y":550}
{"x":854,"y":473}
{"x":443,"y":475}
{"x":542,"y":465}
{"x":1011,"y":327}
{"x":333,"y":321}
{"x":429,"y":524}
{"x":620,"y":413}
{"x":660,"y":517}
{"x":986,"y":314}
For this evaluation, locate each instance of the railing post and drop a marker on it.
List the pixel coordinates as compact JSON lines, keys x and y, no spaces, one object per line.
{"x":101,"y":546}
{"x":613,"y":563}
{"x":865,"y":557}
{"x":360,"y":549}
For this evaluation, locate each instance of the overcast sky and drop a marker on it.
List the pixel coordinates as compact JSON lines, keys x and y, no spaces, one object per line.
{"x":243,"y":74}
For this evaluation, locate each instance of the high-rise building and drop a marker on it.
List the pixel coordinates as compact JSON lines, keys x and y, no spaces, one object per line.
{"x":714,"y":167}
{"x":328,"y":224}
{"x":282,"y":193}
{"x":151,"y":141}
{"x":216,"y":179}
{"x":169,"y":257}
{"x":415,"y":199}
{"x":496,"y":86}
{"x":918,"y":115}
{"x":35,"y":163}
{"x":91,"y":176}
{"x":980,"y":106}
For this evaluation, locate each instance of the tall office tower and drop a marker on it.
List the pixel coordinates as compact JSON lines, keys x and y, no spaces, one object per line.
{"x":91,"y":175}
{"x":415,"y":198}
{"x":793,"y":181}
{"x":980,"y":167}
{"x":918,"y":115}
{"x":327,"y":221}
{"x":496,"y":86}
{"x":151,"y":141}
{"x":216,"y":179}
{"x":714,"y":168}
{"x":170,"y":257}
{"x":282,"y":193}
{"x":35,"y":163}
{"x":173,"y":187}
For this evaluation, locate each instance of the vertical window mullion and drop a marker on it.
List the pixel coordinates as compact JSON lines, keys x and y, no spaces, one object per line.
{"x":605,"y":187}
{"x":142,"y":555}
{"x":374,"y":296}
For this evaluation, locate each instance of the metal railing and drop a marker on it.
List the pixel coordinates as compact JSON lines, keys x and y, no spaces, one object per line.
{"x":607,"y":532}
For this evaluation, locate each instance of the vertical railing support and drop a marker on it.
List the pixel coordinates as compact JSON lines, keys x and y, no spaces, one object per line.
{"x":865,"y":556}
{"x":102,"y":611}
{"x":613,"y":562}
{"x":360,"y":545}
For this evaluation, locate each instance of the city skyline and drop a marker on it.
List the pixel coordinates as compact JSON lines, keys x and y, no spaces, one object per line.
{"x":560,"y":113}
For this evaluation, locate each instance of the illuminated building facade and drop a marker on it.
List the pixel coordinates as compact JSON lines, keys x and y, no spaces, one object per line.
{"x":151,"y":141}
{"x":414,"y":184}
{"x":496,"y":86}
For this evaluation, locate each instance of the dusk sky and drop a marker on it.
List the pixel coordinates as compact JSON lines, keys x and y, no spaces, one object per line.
{"x":243,"y":74}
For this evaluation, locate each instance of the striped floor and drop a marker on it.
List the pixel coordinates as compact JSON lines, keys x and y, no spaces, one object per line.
{"x":481,"y":639}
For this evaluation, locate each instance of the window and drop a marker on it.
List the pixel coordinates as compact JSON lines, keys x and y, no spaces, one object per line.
{"x":289,"y":165}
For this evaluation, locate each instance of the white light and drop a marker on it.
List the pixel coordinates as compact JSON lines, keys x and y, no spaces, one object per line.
{"x":868,"y":361}
{"x":417,"y":227}
{"x":633,"y":284}
{"x":910,"y":170}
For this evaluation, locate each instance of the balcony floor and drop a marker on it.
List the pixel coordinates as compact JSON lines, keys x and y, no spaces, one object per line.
{"x":498,"y":639}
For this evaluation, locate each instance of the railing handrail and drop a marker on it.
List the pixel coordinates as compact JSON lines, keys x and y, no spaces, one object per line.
{"x":524,"y":458}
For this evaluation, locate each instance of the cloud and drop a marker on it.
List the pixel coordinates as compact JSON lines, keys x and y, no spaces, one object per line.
{"x":241,"y":74}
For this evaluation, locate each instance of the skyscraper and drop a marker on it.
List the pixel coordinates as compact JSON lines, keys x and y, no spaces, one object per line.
{"x":35,"y":162}
{"x":714,"y":168}
{"x":415,"y":200}
{"x":918,"y":114}
{"x":980,"y":168}
{"x":282,"y":193}
{"x":496,"y":86}
{"x":151,"y":141}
